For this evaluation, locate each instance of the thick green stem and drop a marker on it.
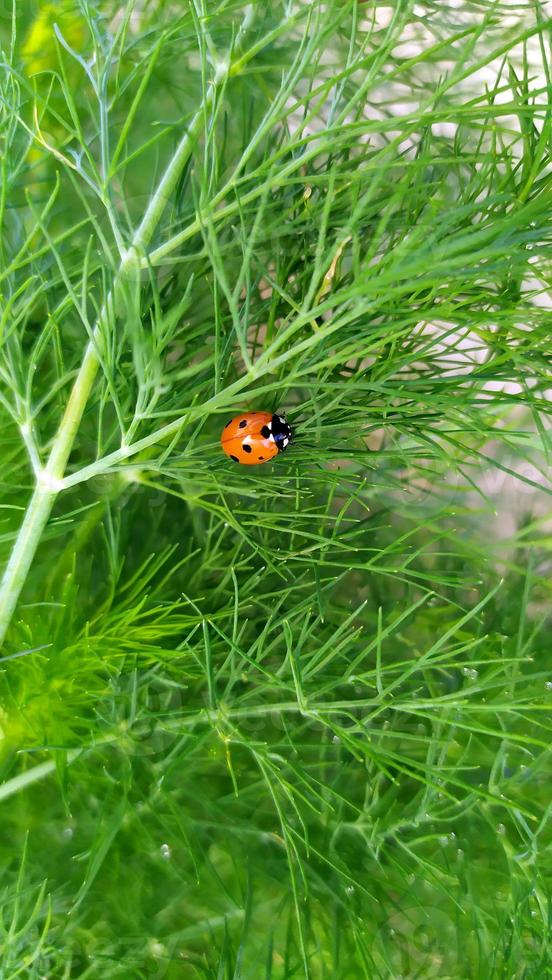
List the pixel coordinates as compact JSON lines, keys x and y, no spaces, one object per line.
{"x":50,"y":479}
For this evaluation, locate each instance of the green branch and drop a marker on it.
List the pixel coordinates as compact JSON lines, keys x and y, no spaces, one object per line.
{"x":49,"y":482}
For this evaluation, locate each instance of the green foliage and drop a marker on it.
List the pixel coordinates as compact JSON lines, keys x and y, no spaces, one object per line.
{"x":286,"y":721}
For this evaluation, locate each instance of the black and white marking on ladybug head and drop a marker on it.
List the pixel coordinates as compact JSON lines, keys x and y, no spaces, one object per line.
{"x":281,"y":432}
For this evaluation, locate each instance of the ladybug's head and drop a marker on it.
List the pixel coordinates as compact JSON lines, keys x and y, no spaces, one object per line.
{"x":282,"y":432}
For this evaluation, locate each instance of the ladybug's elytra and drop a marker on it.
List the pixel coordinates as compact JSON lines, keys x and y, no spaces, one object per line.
{"x":255,"y":437}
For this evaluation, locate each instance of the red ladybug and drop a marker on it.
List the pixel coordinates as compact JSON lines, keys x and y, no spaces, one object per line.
{"x":255,"y":437}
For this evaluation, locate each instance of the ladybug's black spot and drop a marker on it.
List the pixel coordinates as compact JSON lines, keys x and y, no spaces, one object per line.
{"x":243,"y":423}
{"x":265,"y":432}
{"x":235,"y":458}
{"x":261,"y":458}
{"x":246,"y":448}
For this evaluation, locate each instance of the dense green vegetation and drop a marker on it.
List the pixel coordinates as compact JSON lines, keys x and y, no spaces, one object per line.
{"x":293,"y":720}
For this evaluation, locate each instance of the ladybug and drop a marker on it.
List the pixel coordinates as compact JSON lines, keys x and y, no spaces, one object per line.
{"x":255,"y":437}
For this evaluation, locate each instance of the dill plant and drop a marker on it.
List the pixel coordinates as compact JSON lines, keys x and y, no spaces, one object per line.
{"x":291,"y":722}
